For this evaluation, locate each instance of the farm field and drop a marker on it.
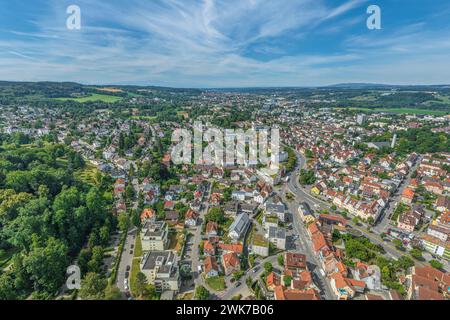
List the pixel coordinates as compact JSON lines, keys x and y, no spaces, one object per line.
{"x":93,"y":97}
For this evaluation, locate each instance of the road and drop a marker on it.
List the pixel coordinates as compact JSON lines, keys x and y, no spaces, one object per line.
{"x":194,"y":248}
{"x":301,"y":193}
{"x":303,"y":241}
{"x":243,"y":289}
{"x":383,"y":222}
{"x":126,"y":259}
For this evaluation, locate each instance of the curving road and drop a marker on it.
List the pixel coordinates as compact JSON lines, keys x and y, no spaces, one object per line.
{"x":295,"y":188}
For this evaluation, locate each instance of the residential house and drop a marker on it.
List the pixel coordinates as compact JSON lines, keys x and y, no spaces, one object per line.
{"x":428,"y":283}
{"x":210,"y":267}
{"x":212,"y":229}
{"x":277,"y":236}
{"x":191,"y":218}
{"x":371,"y":275}
{"x":345,"y":288}
{"x":260,"y":245}
{"x":282,"y":293}
{"x":208,"y":248}
{"x":407,"y":196}
{"x":295,"y":262}
{"x":231,"y":263}
{"x":305,"y":212}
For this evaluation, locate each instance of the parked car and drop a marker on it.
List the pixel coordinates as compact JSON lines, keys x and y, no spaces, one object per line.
{"x":131,"y":251}
{"x":128,"y":268}
{"x":127,"y":274}
{"x":238,"y":284}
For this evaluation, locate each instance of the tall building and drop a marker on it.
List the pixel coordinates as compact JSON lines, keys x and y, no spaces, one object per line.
{"x":161,"y":270}
{"x":155,"y":236}
{"x":394,"y":141}
{"x":360,"y":119}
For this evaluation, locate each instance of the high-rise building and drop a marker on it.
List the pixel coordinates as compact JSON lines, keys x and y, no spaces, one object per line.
{"x":360,"y":119}
{"x":394,"y":141}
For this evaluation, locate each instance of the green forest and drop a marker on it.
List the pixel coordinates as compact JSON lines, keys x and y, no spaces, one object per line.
{"x":47,"y":218}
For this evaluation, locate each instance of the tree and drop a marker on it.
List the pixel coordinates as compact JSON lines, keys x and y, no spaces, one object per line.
{"x":436,"y":264}
{"x":268,"y":267}
{"x":416,"y":253}
{"x":405,"y":262}
{"x":280,"y":260}
{"x":287,"y":281}
{"x":96,"y":262}
{"x":129,"y":191}
{"x":46,"y":264}
{"x":93,"y":287}
{"x":307,"y":177}
{"x":7,"y":289}
{"x":397,"y":243}
{"x":249,"y":282}
{"x":123,"y":222}
{"x":215,"y":214}
{"x":112,"y":293}
{"x":150,"y":293}
{"x":140,"y":284}
{"x":201,"y":293}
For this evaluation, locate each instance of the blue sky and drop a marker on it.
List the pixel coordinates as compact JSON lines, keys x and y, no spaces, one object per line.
{"x":226,"y":43}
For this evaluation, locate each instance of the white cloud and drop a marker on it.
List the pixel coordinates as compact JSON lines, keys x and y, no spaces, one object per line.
{"x":194,"y":43}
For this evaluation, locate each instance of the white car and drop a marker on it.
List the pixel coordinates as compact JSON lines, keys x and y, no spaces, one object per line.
{"x":125,"y":284}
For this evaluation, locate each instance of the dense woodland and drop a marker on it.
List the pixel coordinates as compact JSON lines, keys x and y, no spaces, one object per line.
{"x":47,"y":217}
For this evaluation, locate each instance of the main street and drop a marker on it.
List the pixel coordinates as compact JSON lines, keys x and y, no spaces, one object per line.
{"x":383,"y":222}
{"x":303,"y":241}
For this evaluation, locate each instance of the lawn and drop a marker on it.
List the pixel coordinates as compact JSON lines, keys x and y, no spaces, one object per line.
{"x":135,"y":269}
{"x":401,"y":111}
{"x":216,"y":283}
{"x":93,"y":97}
{"x":138,"y":247}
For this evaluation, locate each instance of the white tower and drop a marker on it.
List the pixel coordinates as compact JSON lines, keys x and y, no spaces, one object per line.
{"x":394,"y":140}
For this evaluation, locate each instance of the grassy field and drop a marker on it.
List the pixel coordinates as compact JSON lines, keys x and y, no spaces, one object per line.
{"x":216,"y":283}
{"x":402,"y":111}
{"x":138,"y":247}
{"x":135,"y":269}
{"x":93,"y":97}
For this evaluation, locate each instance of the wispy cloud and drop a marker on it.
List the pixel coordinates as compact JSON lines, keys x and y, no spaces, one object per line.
{"x":202,"y":43}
